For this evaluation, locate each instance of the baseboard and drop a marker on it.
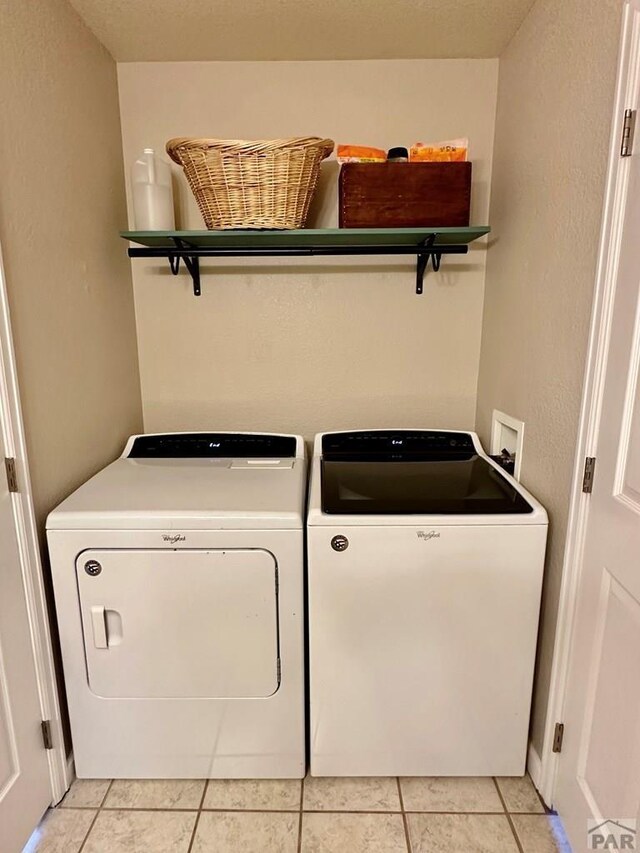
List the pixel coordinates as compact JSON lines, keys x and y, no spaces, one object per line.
{"x":534,"y":766}
{"x":71,"y":770}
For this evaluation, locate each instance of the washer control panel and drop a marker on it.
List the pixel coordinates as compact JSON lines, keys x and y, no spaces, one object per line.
{"x":384,"y":442}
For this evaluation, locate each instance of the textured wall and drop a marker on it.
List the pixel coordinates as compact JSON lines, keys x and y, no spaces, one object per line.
{"x":305,"y":345}
{"x":69,"y":282}
{"x":154,"y":30}
{"x":554,"y":113}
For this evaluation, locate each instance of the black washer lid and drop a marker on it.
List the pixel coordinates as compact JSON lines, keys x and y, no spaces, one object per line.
{"x":412,"y":472}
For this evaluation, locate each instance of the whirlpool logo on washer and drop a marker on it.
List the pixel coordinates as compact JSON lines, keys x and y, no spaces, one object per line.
{"x":427,"y":534}
{"x":174,"y":537}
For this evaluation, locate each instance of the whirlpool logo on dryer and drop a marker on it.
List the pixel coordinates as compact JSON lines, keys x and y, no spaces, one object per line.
{"x":427,"y":534}
{"x":174,"y":537}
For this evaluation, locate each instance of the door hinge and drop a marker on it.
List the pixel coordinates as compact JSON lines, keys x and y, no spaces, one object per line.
{"x":12,"y":477}
{"x":589,"y":473}
{"x":628,"y":132}
{"x":558,"y":736}
{"x":47,"y":737}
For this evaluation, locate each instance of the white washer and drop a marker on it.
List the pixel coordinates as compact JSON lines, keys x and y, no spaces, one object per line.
{"x":178,"y":578}
{"x":425,"y":568}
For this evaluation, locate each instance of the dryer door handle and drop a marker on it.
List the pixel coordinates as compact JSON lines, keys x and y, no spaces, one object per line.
{"x":99,"y":626}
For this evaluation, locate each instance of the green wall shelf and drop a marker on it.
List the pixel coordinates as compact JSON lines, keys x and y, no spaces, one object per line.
{"x":189,"y":246}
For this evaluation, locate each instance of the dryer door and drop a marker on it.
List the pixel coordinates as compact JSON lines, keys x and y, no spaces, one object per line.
{"x":179,"y":624}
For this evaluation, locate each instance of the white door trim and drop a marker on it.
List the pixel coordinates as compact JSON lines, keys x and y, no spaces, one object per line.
{"x":610,"y":242}
{"x":29,"y":549}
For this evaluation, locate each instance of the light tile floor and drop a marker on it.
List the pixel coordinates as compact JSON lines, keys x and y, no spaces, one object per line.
{"x":318,"y":815}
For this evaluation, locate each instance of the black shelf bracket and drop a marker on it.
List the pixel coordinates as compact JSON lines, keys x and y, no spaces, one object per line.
{"x":191,"y":262}
{"x":183,"y":251}
{"x":423,"y":261}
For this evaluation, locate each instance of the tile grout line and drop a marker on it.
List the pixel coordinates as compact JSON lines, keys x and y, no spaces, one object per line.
{"x":95,"y":817}
{"x":458,"y":811}
{"x":404,"y":816}
{"x":407,"y":812}
{"x":306,"y":811}
{"x":508,"y":815}
{"x":301,"y":813}
{"x":199,"y":812}
{"x":193,"y":809}
{"x":106,"y":794}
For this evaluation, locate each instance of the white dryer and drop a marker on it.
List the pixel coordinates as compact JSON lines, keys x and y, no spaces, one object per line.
{"x":425,"y":565}
{"x":178,"y":579}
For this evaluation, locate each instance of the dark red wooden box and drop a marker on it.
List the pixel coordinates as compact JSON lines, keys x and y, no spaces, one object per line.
{"x":404,"y":195}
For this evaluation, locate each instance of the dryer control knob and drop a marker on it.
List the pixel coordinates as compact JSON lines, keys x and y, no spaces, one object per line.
{"x":92,"y":567}
{"x":339,"y":543}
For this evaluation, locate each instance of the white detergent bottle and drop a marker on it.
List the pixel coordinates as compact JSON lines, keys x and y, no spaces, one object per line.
{"x":152,"y":193}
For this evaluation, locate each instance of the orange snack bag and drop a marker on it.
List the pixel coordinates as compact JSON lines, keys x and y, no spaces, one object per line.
{"x":452,"y":151}
{"x":360,"y":154}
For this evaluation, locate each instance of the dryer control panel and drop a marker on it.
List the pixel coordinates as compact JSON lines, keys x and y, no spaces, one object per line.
{"x":212,"y":445}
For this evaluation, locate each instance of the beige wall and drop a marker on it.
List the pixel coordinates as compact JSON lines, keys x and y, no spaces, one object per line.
{"x":304,"y":345}
{"x":554,"y":112}
{"x":311,"y":344}
{"x":69,"y":282}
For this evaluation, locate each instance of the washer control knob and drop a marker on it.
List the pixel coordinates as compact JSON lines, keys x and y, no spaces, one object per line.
{"x":92,"y":567}
{"x":339,"y":543}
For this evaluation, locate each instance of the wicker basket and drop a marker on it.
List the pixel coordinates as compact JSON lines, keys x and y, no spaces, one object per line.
{"x":264,"y":184}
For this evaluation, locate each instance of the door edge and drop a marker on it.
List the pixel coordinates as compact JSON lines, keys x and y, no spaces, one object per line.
{"x":609,"y":248}
{"x":12,"y":427}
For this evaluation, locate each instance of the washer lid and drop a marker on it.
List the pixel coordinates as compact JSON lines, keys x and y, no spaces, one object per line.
{"x":466,"y":485}
{"x":414,"y":473}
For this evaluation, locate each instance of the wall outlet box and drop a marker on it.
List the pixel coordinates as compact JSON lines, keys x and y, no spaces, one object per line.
{"x":507,"y":433}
